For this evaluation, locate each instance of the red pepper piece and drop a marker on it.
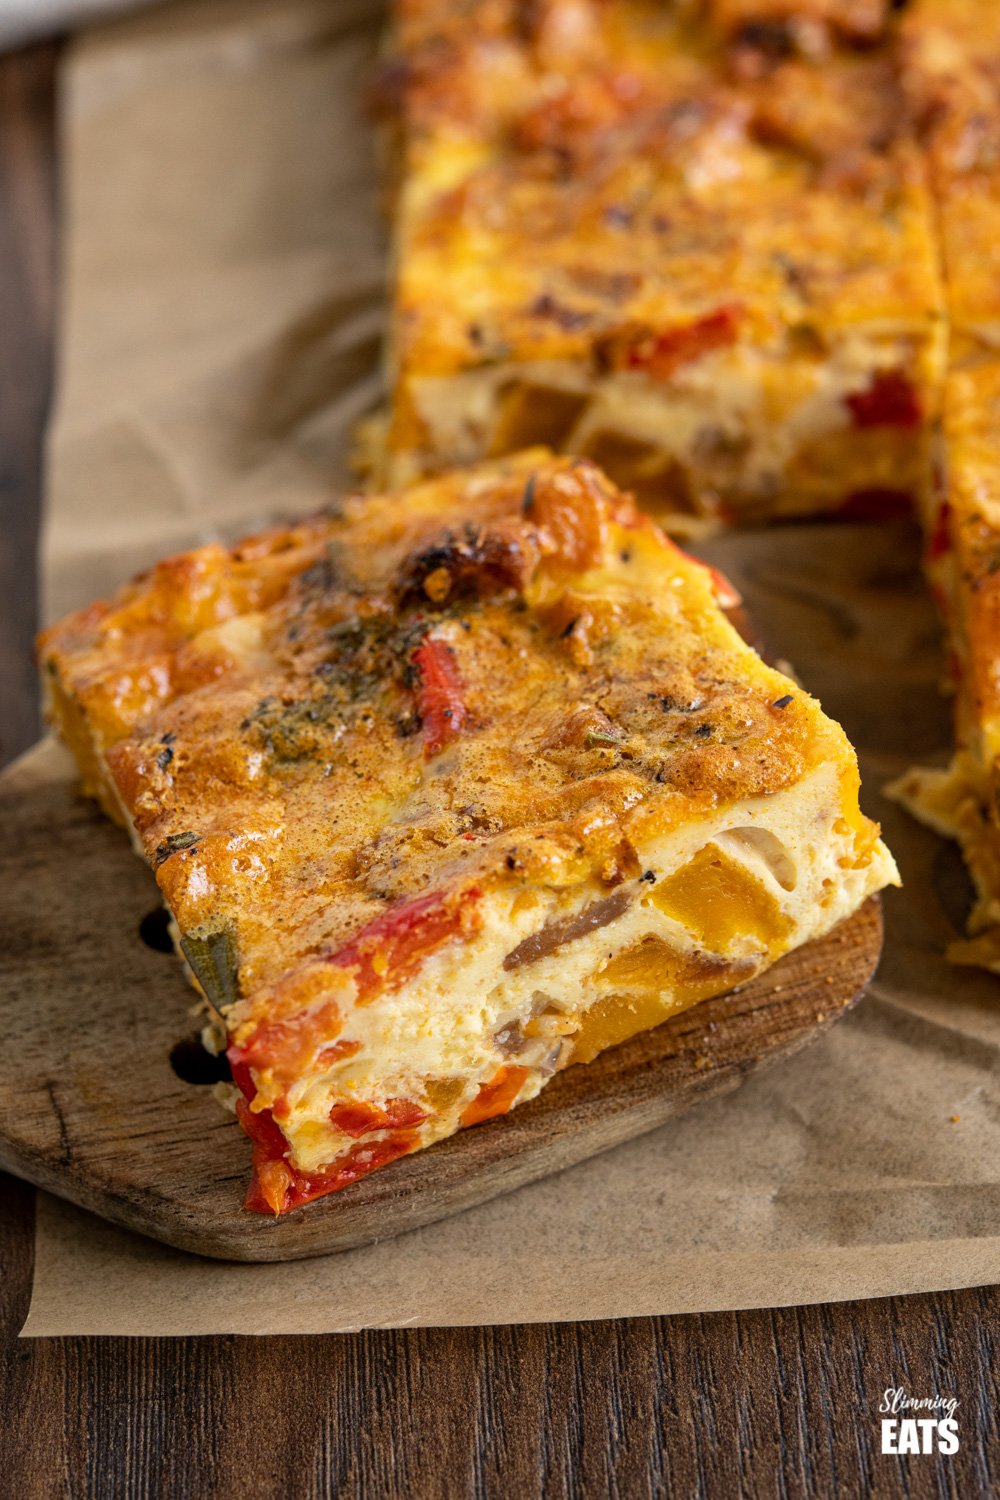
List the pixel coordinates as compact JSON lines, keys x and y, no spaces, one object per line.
{"x":275,"y":1187}
{"x":330,"y":1055}
{"x":262,"y":1130}
{"x":393,"y":946}
{"x":439,"y":696}
{"x":661,"y":355}
{"x":287,"y":1044}
{"x":939,"y":541}
{"x":497,"y":1096}
{"x":242,"y":1076}
{"x":889,"y":401}
{"x":362,"y":1117}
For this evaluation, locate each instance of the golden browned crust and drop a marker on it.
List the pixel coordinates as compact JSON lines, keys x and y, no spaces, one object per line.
{"x":260,"y":708}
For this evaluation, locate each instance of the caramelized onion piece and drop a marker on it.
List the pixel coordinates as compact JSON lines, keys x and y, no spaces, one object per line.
{"x":556,"y":934}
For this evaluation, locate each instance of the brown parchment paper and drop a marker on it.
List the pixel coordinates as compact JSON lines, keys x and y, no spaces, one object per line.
{"x":222,"y":306}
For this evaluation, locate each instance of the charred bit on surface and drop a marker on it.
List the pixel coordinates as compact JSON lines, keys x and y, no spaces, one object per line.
{"x":166,"y":755}
{"x":476,"y":563}
{"x":173,"y":844}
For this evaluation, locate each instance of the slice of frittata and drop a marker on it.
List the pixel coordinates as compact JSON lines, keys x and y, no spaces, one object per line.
{"x":449,"y":790}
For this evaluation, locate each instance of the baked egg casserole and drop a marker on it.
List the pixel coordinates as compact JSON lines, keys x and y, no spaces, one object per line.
{"x":447,"y":791}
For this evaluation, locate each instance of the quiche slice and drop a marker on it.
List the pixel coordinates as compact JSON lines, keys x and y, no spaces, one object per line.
{"x":449,"y":790}
{"x":642,"y":233}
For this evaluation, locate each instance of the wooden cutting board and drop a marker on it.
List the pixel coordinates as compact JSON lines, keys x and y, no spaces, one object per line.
{"x":92,"y":1108}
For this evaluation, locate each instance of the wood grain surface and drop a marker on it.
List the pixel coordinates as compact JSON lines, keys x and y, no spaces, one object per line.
{"x":92,"y":1014}
{"x":769,"y":1403}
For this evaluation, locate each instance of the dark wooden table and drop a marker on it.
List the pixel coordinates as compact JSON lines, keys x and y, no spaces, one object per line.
{"x":765,"y":1403}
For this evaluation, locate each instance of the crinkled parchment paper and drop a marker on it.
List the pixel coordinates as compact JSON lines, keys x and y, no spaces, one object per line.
{"x":222,"y":307}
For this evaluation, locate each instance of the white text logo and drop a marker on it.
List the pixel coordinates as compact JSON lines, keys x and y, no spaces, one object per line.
{"x":918,"y":1424}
